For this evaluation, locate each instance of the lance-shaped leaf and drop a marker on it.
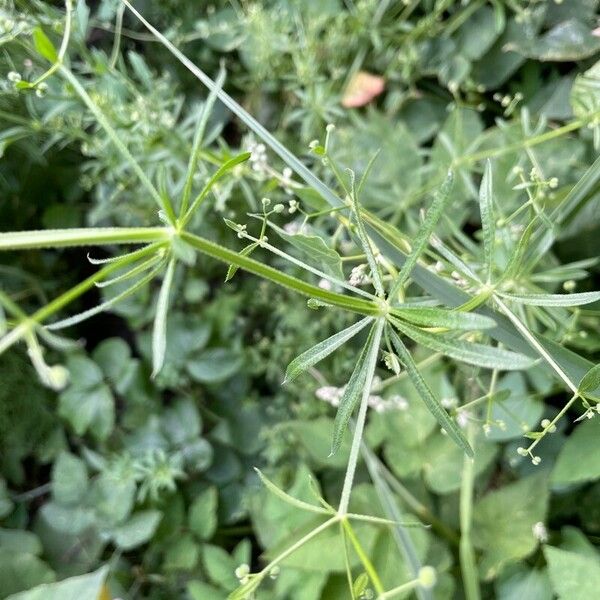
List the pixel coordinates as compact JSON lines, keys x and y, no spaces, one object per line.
{"x":364,"y":238}
{"x":143,"y":266}
{"x":488,"y":357}
{"x":422,"y":238}
{"x":225,"y":168}
{"x":590,"y":384}
{"x":86,"y":314}
{"x":428,"y":397}
{"x":516,"y":259}
{"x":290,"y":499}
{"x":159,"y":332}
{"x":323,"y":349}
{"x":44,"y":46}
{"x":246,"y":251}
{"x":198,"y":138}
{"x":577,"y":299}
{"x":440,"y":317}
{"x":488,"y":221}
{"x":353,"y":391}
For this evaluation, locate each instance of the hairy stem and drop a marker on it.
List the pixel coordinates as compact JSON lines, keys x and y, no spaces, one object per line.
{"x":536,"y":344}
{"x":467,"y":555}
{"x":360,"y":420}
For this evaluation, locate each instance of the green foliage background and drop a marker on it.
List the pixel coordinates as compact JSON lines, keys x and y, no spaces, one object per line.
{"x":152,"y":480}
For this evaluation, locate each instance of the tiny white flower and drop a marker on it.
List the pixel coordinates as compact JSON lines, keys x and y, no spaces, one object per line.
{"x":462,"y":418}
{"x":540,"y":532}
{"x":330,"y":394}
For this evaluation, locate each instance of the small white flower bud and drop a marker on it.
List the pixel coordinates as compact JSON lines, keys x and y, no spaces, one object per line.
{"x":427,"y":577}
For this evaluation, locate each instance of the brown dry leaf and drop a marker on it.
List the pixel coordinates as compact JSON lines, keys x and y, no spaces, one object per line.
{"x":361,"y":89}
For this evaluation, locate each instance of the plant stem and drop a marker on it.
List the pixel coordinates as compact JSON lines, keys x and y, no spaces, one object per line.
{"x":466,"y":552}
{"x":264,"y":244}
{"x":309,"y":536}
{"x":552,"y":423}
{"x":358,"y":305}
{"x":360,"y":420}
{"x":112,"y":134}
{"x":389,"y":504}
{"x":347,"y":561}
{"x":362,"y":555}
{"x":401,"y":589}
{"x":96,"y":236}
{"x":416,"y":506}
{"x":536,"y":345}
{"x":526,"y":143}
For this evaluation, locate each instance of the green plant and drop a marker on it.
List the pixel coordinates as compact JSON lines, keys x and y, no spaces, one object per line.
{"x":484,"y":306}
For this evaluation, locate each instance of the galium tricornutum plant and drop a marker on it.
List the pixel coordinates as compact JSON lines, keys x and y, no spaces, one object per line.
{"x":478,"y":308}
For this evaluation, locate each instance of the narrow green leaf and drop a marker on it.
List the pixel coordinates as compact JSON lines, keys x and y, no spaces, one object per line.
{"x":588,"y":386}
{"x":577,"y":299}
{"x":129,"y":255}
{"x":518,"y":254}
{"x":488,"y":221}
{"x":290,"y":499}
{"x":44,"y":46}
{"x":198,"y":138}
{"x":359,"y":305}
{"x":112,"y":134}
{"x":143,"y":266}
{"x":159,"y":333}
{"x":488,"y":357}
{"x":441,"y":317}
{"x":364,"y":239}
{"x":367,"y":172}
{"x":428,"y":397}
{"x":163,"y":190}
{"x":352,"y":393}
{"x":322,"y":349}
{"x":360,"y":585}
{"x":246,"y":251}
{"x":314,"y":248}
{"x":422,"y":238}
{"x":86,"y":314}
{"x":220,"y":173}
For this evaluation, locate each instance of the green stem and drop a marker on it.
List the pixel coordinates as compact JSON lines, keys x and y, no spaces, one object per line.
{"x":358,"y":305}
{"x":309,"y":536}
{"x":527,"y":143}
{"x":535,"y":344}
{"x":371,"y":363}
{"x":347,"y":562}
{"x":63,"y":46}
{"x":467,"y":555}
{"x":112,"y":134}
{"x":363,"y":557}
{"x":417,"y":507}
{"x":63,"y":238}
{"x":401,"y":589}
{"x":390,"y":507}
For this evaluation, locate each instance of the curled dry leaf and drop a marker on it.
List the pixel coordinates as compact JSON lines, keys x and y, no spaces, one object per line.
{"x":361,"y":89}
